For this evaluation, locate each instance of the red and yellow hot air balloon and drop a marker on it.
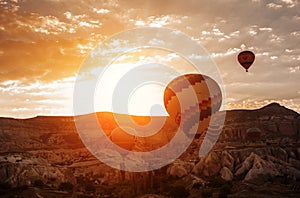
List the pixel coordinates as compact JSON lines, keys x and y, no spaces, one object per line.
{"x":209,"y":99}
{"x":246,"y":59}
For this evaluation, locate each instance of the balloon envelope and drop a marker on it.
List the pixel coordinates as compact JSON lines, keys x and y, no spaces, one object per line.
{"x":208,"y":100}
{"x":246,"y":58}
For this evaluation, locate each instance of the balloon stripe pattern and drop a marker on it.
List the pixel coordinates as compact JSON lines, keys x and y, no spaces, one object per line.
{"x":209,"y":99}
{"x":181,"y":83}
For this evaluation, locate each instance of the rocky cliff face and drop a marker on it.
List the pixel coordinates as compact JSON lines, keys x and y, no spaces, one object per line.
{"x":48,"y":150}
{"x":273,"y":120}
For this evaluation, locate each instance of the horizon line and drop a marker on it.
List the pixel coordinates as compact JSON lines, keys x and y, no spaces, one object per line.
{"x":72,"y":115}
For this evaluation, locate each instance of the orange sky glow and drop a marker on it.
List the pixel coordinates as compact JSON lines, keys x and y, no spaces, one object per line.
{"x":44,"y":43}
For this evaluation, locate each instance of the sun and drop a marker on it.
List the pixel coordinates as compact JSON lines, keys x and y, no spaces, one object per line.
{"x":127,"y":91}
{"x":134,"y":83}
{"x":147,"y":99}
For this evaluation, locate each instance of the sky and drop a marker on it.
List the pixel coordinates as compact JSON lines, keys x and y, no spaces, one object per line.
{"x":45,"y":42}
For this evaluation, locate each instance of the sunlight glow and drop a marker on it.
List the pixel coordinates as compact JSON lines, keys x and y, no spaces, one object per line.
{"x":146,"y":100}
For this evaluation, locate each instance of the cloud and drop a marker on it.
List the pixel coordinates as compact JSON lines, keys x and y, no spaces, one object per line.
{"x":101,"y":11}
{"x":47,"y":40}
{"x":290,"y":3}
{"x":294,"y":69}
{"x":274,"y":6}
{"x":46,"y":60}
{"x":19,"y":98}
{"x":159,"y":21}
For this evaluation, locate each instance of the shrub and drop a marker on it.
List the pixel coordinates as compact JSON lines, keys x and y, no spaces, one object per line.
{"x":5,"y":186}
{"x":206,"y":193}
{"x":52,"y":179}
{"x":90,"y":188}
{"x":20,"y":188}
{"x":217,"y":182}
{"x":179,"y":192}
{"x":66,"y":186}
{"x":225,"y":189}
{"x":38,"y":183}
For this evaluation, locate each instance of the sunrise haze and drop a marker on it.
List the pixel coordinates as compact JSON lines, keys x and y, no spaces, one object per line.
{"x":43,"y":44}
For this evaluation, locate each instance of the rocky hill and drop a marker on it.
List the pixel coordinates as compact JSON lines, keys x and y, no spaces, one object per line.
{"x":273,"y":120}
{"x":257,"y":155}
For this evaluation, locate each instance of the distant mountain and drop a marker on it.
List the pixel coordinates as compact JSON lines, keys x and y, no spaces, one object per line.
{"x":270,"y":110}
{"x":276,"y":108}
{"x":273,"y":120}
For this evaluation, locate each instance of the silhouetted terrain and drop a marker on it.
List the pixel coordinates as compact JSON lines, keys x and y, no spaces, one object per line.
{"x":257,"y":155}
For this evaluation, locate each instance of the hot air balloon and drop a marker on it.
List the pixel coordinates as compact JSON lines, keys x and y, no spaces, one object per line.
{"x":209,"y":99}
{"x":246,"y":58}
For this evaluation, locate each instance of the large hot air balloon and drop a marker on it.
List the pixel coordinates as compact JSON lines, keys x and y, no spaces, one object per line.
{"x":246,"y":58}
{"x":209,"y":99}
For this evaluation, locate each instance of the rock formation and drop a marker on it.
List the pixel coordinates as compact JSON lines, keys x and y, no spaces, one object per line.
{"x":48,"y":151}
